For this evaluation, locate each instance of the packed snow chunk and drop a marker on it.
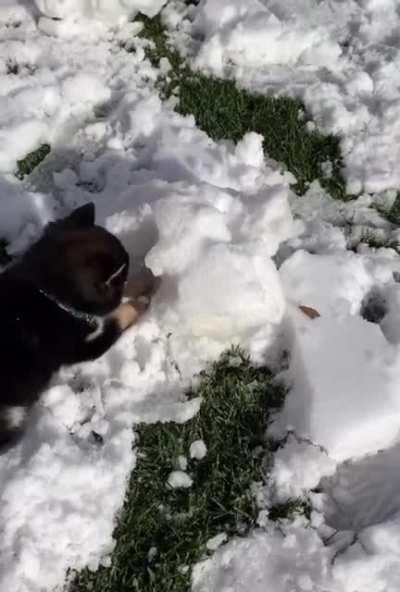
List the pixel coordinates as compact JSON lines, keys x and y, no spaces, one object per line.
{"x":297,"y":468}
{"x":344,"y":374}
{"x":334,"y":285}
{"x":295,"y":560}
{"x":249,"y":150}
{"x":230,"y":292}
{"x":184,"y":229}
{"x":109,"y":11}
{"x":383,"y":538}
{"x":344,"y":377}
{"x":198,"y":450}
{"x":364,"y":496}
{"x":179,"y":480}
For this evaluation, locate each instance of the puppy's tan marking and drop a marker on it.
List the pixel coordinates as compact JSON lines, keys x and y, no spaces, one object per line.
{"x":126,"y":315}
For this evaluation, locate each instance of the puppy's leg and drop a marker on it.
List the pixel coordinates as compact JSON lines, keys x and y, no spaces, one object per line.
{"x":128,"y":312}
{"x":123,"y":317}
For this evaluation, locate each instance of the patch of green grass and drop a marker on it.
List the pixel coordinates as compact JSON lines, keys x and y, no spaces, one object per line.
{"x":394,"y":213}
{"x":31,"y":161}
{"x":153,"y":31}
{"x":161,"y":531}
{"x":286,"y":139}
{"x":375,"y":242}
{"x":290,"y":509}
{"x":224,"y":111}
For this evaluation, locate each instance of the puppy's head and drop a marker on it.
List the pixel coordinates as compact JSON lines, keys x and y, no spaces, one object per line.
{"x":81,"y":264}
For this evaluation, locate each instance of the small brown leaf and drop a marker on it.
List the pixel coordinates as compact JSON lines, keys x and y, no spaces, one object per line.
{"x":311,"y":313}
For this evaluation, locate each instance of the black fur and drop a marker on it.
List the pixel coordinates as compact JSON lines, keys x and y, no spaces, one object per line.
{"x":71,"y":265}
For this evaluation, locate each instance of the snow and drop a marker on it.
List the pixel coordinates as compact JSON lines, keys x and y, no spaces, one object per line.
{"x":340,"y":58}
{"x":348,"y":413}
{"x":196,"y":214}
{"x":340,"y":422}
{"x":282,"y":561}
{"x":238,"y":254}
{"x":297,"y":469}
{"x":109,"y":11}
{"x":179,"y":480}
{"x":339,"y":426}
{"x":198,"y":450}
{"x":216,"y":541}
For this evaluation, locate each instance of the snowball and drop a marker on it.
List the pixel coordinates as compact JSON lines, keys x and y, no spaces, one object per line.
{"x":82,"y":88}
{"x":179,"y":480}
{"x":198,"y":450}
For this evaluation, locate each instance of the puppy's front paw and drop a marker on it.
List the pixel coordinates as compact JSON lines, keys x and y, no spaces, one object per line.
{"x":142,"y":303}
{"x":126,"y":315}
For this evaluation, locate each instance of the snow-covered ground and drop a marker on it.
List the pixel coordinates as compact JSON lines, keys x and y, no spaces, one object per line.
{"x":342,"y":58}
{"x":214,"y":220}
{"x":340,"y":422}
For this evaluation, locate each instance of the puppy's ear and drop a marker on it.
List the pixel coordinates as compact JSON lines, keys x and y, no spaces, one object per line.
{"x":82,"y":217}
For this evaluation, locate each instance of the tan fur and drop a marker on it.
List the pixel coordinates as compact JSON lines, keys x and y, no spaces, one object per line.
{"x":126,"y":315}
{"x":139,"y":289}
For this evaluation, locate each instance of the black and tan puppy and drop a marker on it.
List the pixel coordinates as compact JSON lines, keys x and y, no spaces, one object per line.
{"x":60,"y":304}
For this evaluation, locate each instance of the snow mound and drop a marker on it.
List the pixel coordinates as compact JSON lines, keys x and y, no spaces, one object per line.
{"x":349,"y":413}
{"x":214,"y":220}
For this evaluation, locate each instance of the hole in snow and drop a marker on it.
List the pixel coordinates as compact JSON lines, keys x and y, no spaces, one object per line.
{"x":396,"y":276}
{"x":96,"y":438}
{"x":374,"y":307}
